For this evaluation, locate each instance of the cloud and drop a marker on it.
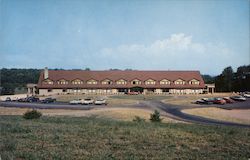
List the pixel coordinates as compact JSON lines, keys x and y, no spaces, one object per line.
{"x":176,"y":43}
{"x":178,"y":51}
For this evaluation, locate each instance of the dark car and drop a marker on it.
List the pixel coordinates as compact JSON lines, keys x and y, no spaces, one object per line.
{"x":32,"y":99}
{"x":22,"y":100}
{"x":7,"y":99}
{"x":48,"y":100}
{"x":228,"y":100}
{"x":208,"y":100}
{"x":205,"y":101}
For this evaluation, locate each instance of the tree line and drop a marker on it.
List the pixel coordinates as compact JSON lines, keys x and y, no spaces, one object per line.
{"x":14,"y":80}
{"x":229,"y":80}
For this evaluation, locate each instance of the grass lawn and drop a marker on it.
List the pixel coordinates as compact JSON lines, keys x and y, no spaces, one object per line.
{"x":123,"y":114}
{"x":99,"y":138}
{"x":237,"y":115}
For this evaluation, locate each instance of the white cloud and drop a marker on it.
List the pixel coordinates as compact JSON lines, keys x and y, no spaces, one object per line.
{"x":179,"y":51}
{"x":176,"y":43}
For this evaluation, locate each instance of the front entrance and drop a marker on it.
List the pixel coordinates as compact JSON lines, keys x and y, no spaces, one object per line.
{"x":136,"y":89}
{"x":122,"y":90}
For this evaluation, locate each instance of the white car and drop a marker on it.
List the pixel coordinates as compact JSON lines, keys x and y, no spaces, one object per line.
{"x":101,"y":101}
{"x":238,"y":98}
{"x":246,"y":94}
{"x":88,"y":101}
{"x":76,"y":101}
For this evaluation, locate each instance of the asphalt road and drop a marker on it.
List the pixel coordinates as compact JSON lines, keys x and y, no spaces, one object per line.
{"x":56,"y":105}
{"x":172,"y":111}
{"x":175,"y":112}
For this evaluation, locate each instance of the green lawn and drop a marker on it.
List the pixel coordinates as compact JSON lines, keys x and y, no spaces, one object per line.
{"x":93,"y":138}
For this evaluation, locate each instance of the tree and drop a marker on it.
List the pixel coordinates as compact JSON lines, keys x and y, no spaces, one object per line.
{"x":155,"y":117}
{"x":228,"y":78}
{"x":241,"y":81}
{"x":208,"y":79}
{"x":223,"y":82}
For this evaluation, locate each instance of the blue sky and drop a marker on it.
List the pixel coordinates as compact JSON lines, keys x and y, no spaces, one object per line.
{"x":203,"y":35}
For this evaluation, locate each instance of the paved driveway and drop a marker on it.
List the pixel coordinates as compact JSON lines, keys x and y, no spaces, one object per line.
{"x":175,"y":112}
{"x":172,"y":111}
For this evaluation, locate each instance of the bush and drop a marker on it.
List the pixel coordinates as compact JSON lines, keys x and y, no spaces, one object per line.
{"x":155,"y":117}
{"x":34,"y":114}
{"x":138,"y":119}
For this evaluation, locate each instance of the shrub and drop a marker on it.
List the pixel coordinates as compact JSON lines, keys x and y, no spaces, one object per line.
{"x":155,"y":117}
{"x":138,"y":119}
{"x":34,"y":114}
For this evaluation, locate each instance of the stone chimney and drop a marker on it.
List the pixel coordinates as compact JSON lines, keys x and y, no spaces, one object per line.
{"x":46,"y":73}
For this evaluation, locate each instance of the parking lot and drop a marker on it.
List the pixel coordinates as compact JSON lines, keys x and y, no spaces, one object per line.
{"x":174,"y":107}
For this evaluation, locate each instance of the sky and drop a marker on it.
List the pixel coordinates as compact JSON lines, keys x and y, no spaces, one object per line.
{"x":202,"y":35}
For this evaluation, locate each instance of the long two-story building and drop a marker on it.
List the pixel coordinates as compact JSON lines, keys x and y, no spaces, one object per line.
{"x":119,"y":82}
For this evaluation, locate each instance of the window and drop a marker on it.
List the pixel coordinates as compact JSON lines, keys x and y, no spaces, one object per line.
{"x":91,"y":81}
{"x":179,"y":81}
{"x":121,"y":81}
{"x":150,"y":82}
{"x":165,"y":82}
{"x":64,"y":90}
{"x":77,"y":81}
{"x":49,"y":90}
{"x":62,"y":81}
{"x":47,"y":81}
{"x":136,"y":81}
{"x":194,"y":82}
{"x":107,"y":81}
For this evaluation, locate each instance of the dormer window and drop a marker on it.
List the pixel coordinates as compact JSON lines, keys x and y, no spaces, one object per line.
{"x":77,"y":81}
{"x":150,"y":82}
{"x":107,"y":81}
{"x":135,"y":81}
{"x":62,"y":81}
{"x":121,"y":81}
{"x":92,"y":81}
{"x":179,"y":81}
{"x":48,"y":81}
{"x":165,"y":82}
{"x":194,"y":82}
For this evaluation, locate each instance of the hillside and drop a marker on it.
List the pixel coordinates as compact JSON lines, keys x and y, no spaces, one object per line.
{"x":93,"y":138}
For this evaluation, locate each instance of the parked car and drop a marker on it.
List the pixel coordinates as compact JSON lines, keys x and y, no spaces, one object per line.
{"x":76,"y":101}
{"x":48,"y":100}
{"x":238,"y":98}
{"x":208,"y":100}
{"x":32,"y":99}
{"x":22,"y":100}
{"x":88,"y":101}
{"x":205,"y":101}
{"x":133,"y":93}
{"x":7,"y":99}
{"x":101,"y":101}
{"x":228,"y":100}
{"x":219,"y":101}
{"x":200,"y":101}
{"x":246,"y":94}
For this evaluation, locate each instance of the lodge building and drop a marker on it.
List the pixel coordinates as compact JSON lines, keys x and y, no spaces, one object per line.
{"x":119,"y":82}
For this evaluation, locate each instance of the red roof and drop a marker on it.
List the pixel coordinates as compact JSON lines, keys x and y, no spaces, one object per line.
{"x":70,"y":75}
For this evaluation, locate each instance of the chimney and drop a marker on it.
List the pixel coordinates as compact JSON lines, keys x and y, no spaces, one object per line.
{"x":46,"y":73}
